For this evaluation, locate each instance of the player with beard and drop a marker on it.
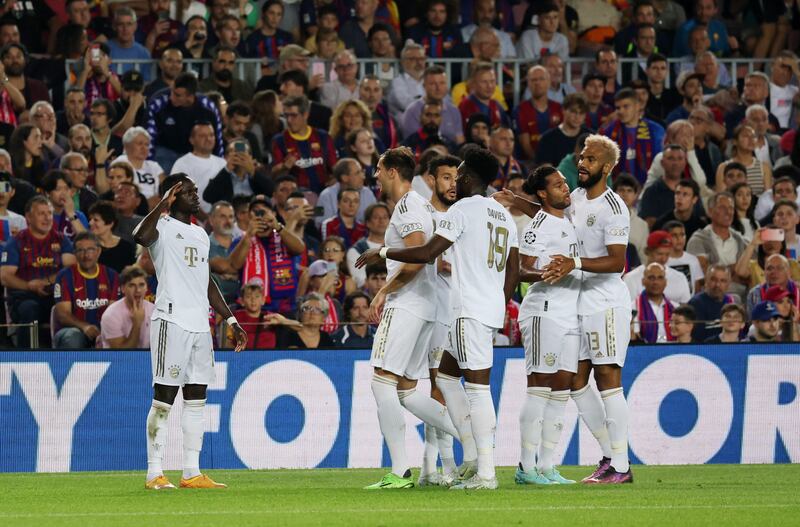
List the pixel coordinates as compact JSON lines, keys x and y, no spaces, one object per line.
{"x":602,"y":223}
{"x":548,"y":319}
{"x":444,"y":171}
{"x":480,"y":291}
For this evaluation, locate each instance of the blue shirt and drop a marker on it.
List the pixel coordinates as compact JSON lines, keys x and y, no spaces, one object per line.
{"x":135,"y":52}
{"x":717,"y":33}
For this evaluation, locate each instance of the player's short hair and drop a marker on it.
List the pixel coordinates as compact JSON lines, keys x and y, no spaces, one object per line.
{"x":692,"y":184}
{"x":87,"y":235}
{"x":686,"y":311}
{"x":442,"y":161}
{"x":172,"y":180}
{"x":481,"y":162}
{"x":736,"y":308}
{"x":537,"y":179}
{"x":105,"y":210}
{"x":610,"y":147}
{"x":131,"y":272}
{"x":372,"y":208}
{"x":624,"y":179}
{"x":350,"y":300}
{"x":378,"y":268}
{"x":402,"y":160}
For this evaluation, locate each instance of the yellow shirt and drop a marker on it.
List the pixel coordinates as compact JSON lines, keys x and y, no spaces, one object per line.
{"x":460,"y":91}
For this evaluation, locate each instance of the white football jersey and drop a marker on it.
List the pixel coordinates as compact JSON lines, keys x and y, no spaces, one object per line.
{"x":483,"y":233}
{"x":598,"y":223}
{"x":412,"y":214}
{"x":443,"y":283}
{"x":547,"y":235}
{"x":180,"y":256}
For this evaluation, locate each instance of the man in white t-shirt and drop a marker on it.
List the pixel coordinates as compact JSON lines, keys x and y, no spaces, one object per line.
{"x":781,"y":90}
{"x":481,"y":287}
{"x":680,"y":260}
{"x":543,"y":40}
{"x":181,"y":347}
{"x":10,"y":222}
{"x":659,"y":248}
{"x":201,"y":165}
{"x":149,"y":174}
{"x":126,"y":323}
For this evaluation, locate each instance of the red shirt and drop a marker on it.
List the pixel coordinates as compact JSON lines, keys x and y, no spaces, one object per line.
{"x":259,"y":335}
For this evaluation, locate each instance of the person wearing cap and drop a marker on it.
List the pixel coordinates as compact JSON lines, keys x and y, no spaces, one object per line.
{"x":356,"y":332}
{"x":659,"y":248}
{"x":124,"y":46}
{"x":776,"y":274}
{"x":598,"y":113}
{"x":732,"y":321}
{"x":790,"y":329}
{"x":259,"y":325}
{"x":766,"y":323}
{"x":661,"y":100}
{"x":130,"y":108}
{"x":292,"y":58}
{"x":657,"y":199}
{"x":653,"y":309}
{"x":325,"y":277}
{"x":690,"y":86}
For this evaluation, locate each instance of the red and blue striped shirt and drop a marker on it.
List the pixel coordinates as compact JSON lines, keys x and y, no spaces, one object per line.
{"x":34,"y":257}
{"x":315,"y":155}
{"x":88,"y":294}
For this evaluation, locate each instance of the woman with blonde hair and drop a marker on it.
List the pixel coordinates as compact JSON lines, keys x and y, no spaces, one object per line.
{"x":347,"y":117}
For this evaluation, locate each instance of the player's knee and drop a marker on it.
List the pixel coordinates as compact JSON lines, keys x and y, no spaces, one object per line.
{"x":164,"y":393}
{"x":608,"y":376}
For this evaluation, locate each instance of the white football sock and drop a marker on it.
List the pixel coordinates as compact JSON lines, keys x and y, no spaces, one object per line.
{"x":156,"y":437}
{"x":458,"y":407}
{"x":392,"y":421}
{"x":429,"y":410}
{"x":445,"y":441}
{"x":193,"y":430}
{"x":552,"y":424}
{"x":431,"y":451}
{"x":591,"y":409}
{"x":484,"y":422}
{"x":530,"y":424}
{"x":617,"y":424}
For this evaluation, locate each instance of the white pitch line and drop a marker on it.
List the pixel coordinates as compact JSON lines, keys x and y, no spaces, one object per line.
{"x":391,"y":510}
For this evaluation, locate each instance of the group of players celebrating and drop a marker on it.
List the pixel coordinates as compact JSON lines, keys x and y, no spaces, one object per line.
{"x":453,"y":263}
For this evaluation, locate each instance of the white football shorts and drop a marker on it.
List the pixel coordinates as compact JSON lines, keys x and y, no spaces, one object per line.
{"x":440,"y":341}
{"x":472,"y":344}
{"x":401,"y":344}
{"x":180,"y":357}
{"x":549,"y":346}
{"x":605,"y":336}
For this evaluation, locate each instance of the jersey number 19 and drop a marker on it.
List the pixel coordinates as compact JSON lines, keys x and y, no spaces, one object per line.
{"x":498,"y":246}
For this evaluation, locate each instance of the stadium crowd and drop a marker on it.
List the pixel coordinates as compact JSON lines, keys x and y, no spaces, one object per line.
{"x":710,"y":162}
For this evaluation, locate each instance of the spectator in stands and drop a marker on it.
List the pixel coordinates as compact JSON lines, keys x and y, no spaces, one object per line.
{"x":292,"y":58}
{"x":349,"y":116}
{"x":709,"y":304}
{"x":370,"y":92}
{"x":298,"y":217}
{"x":66,"y":220}
{"x":785,"y":216}
{"x":558,"y":89}
{"x":484,"y":48}
{"x":708,"y":154}
{"x":532,"y":42}
{"x":239,"y":176}
{"x":376,"y":219}
{"x":686,"y":209}
{"x":781,"y":91}
{"x":349,"y":174}
{"x":260,"y":326}
{"x":743,"y":219}
{"x":292,"y":150}
{"x":126,"y":324}
{"x":222,"y":78}
{"x":659,"y":248}
{"x":82,"y":293}
{"x":606,"y":65}
{"x":356,"y":332}
{"x":783,"y":187}
{"x":28,"y":275}
{"x":705,"y":12}
{"x":313,"y":311}
{"x":556,"y":143}
{"x":661,"y":100}
{"x":733,"y":174}
{"x":19,"y":85}
{"x":759,"y":173}
{"x":201,"y":165}
{"x":170,"y":66}
{"x":644,"y":48}
{"x":74,"y":111}
{"x":115,"y":253}
{"x":408,"y":86}
{"x":177,"y":110}
{"x":267,"y":109}
{"x":501,"y":145}
{"x":628,"y":189}
{"x":355,"y":32}
{"x":9,"y":32}
{"x":376,"y":279}
{"x":294,"y":84}
{"x":788,"y":310}
{"x":644,"y":13}
{"x":681,"y":324}
{"x":10,"y":222}
{"x":767,"y":147}
{"x":658,"y":198}
{"x":284,"y":187}
{"x":345,"y":86}
{"x":481,"y":85}
{"x":96,"y":78}
{"x":382,"y":46}
{"x":690,"y":87}
{"x":766,"y":322}
{"x":149,"y":174}
{"x":238,"y":120}
{"x":101,"y":115}
{"x":732,"y":322}
{"x":156,"y":30}
{"x":536,"y":115}
{"x":486,"y":15}
{"x":751,"y":269}
{"x":124,"y":46}
{"x":269,"y":39}
{"x":652,"y":307}
{"x":118,"y":172}
{"x":640,"y":140}
{"x":700,"y":54}
{"x":435,"y":87}
{"x":344,"y":224}
{"x":439,"y":38}
{"x":54,"y":144}
{"x":755,"y":91}
{"x":333,"y":254}
{"x":130,"y":109}
{"x":197,"y":38}
{"x":25,"y":148}
{"x":680,"y":260}
{"x":598,"y":113}
{"x":126,"y":202}
{"x":274,"y":259}
{"x":221,"y":221}
{"x":429,"y":132}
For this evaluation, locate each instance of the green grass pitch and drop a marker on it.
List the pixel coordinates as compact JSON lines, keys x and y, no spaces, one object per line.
{"x":718,"y":495}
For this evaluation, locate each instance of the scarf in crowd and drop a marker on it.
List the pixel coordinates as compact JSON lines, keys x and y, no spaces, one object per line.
{"x":648,"y":323}
{"x":7,"y":114}
{"x":99,"y":90}
{"x":331,"y":323}
{"x":265,"y":264}
{"x":642,"y":143}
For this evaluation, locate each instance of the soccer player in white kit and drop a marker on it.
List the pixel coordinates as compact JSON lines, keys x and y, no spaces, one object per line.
{"x":548,"y":320}
{"x":407,"y":316}
{"x":181,"y":348}
{"x":483,"y":238}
